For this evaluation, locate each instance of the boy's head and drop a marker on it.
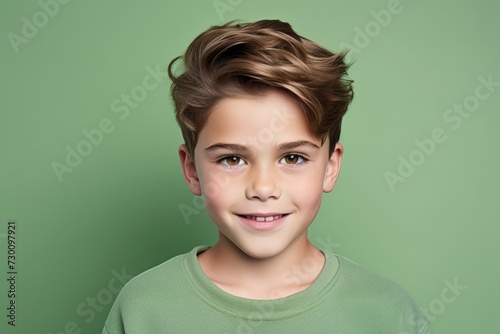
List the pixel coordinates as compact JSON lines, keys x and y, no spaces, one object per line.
{"x":249,"y":59}
{"x":260,"y":110}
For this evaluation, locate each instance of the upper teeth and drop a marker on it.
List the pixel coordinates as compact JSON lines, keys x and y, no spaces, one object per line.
{"x":266,"y":219}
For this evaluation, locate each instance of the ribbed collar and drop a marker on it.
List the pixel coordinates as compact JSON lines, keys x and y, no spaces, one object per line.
{"x":252,"y":309}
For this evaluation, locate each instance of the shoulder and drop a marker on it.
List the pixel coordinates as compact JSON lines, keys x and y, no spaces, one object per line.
{"x":378,"y":297}
{"x":154,"y":275}
{"x":358,"y":280}
{"x":155,"y":292}
{"x":165,"y":278}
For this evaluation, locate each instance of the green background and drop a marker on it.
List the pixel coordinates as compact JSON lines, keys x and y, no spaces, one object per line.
{"x":119,"y":208}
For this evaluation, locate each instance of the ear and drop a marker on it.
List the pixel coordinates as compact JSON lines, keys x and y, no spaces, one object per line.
{"x":189,"y":170}
{"x":333,"y":168}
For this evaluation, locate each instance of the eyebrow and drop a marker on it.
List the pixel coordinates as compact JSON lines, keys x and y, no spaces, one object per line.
{"x":281,"y":147}
{"x":296,"y":144}
{"x":223,"y":146}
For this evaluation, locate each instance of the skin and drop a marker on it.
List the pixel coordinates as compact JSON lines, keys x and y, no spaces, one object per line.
{"x":276,"y":166}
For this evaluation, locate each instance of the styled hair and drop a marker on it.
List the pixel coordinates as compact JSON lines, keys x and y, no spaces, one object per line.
{"x":238,"y":59}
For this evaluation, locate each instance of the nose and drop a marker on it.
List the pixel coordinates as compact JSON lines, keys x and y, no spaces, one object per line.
{"x":263,"y":184}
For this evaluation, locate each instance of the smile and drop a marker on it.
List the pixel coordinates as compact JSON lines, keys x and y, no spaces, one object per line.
{"x":263,"y":222}
{"x":264,"y":219}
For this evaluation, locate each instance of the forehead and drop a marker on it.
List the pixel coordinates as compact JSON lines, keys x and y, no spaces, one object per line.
{"x":271,"y":117}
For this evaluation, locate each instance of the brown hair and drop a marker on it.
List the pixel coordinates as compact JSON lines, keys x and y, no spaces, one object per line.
{"x":246,"y":59}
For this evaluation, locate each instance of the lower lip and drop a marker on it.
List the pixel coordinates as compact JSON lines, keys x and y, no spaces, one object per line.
{"x":262,"y":226}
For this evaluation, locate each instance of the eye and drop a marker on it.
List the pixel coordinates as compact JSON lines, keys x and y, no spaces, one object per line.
{"x":293,"y":159}
{"x":231,"y":161}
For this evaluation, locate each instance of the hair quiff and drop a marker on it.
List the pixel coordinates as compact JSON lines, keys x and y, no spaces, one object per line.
{"x":248,"y":59}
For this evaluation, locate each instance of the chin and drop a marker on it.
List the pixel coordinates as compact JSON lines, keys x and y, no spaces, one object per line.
{"x":261,"y":252}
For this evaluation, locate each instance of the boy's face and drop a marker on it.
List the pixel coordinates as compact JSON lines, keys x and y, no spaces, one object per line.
{"x":261,"y":172}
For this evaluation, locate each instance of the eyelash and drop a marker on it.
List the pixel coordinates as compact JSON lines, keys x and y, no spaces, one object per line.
{"x":296,"y":165}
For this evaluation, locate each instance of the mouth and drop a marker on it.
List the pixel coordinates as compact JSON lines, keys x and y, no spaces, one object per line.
{"x":263,"y":218}
{"x":263,"y":222}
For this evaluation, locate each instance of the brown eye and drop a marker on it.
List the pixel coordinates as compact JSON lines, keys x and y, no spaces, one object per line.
{"x":293,"y":159}
{"x":231,"y":160}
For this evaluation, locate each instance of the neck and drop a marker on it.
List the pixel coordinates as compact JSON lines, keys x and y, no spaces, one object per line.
{"x":234,"y":271}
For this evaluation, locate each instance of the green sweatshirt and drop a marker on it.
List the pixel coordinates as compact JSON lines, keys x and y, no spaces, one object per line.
{"x":177,"y":297}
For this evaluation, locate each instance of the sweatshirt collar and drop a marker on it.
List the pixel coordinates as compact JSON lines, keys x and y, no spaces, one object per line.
{"x":259,"y":310}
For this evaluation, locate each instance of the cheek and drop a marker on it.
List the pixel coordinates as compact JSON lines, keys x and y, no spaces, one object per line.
{"x":307,"y":190}
{"x":216,"y":190}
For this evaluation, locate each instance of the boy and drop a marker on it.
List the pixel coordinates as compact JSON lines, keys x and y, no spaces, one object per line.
{"x":260,"y":110}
